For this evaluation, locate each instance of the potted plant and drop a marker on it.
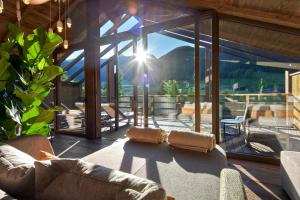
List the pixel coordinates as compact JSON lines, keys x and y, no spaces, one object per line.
{"x":26,"y":74}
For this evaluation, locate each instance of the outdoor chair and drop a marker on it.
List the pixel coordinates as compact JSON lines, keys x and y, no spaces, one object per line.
{"x":240,"y":122}
{"x":110,"y":110}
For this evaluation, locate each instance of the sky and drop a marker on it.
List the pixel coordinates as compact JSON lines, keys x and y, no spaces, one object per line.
{"x":158,"y":45}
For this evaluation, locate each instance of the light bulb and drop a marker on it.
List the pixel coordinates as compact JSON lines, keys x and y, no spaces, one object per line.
{"x":1,"y":6}
{"x":27,"y":2}
{"x":50,"y":30}
{"x":66,"y":44}
{"x":59,"y":26}
{"x":69,"y":22}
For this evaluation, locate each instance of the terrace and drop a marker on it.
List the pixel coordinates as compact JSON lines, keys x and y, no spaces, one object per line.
{"x":223,"y":68}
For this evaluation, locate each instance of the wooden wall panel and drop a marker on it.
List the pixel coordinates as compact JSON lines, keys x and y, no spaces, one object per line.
{"x":296,"y":94}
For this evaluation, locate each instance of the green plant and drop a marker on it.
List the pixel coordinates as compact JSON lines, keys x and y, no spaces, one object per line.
{"x":26,"y":72}
{"x":169,"y":87}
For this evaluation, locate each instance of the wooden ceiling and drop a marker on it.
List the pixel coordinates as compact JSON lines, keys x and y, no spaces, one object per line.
{"x":282,"y":12}
{"x":33,"y":16}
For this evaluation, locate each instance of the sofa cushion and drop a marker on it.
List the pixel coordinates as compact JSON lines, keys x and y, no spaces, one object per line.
{"x":76,"y":179}
{"x":289,"y":173}
{"x":17,"y":174}
{"x":231,"y":185}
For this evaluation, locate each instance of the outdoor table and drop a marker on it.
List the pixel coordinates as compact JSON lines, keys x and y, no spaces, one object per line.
{"x":237,"y":122}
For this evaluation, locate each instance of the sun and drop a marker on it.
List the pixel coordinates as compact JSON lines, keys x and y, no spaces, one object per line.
{"x":141,"y":56}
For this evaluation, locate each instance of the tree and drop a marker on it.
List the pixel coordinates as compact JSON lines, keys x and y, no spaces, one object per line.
{"x":26,"y":75}
{"x":169,"y":87}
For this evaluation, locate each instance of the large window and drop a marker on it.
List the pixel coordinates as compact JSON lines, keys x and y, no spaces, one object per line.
{"x":71,"y":94}
{"x":256,"y":90}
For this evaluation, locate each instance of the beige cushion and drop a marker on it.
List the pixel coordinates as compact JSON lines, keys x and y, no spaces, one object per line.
{"x":289,"y":173}
{"x":231,"y":185}
{"x":149,"y":135}
{"x":16,"y":171}
{"x":76,"y":179}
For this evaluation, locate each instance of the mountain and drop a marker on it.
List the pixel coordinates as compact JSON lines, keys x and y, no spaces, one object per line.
{"x":178,"y":65}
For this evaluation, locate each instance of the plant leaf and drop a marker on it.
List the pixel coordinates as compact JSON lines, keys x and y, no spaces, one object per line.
{"x":4,"y":73}
{"x":33,"y":112}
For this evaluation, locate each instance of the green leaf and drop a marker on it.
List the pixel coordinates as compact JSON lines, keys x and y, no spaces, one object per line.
{"x":50,"y":73}
{"x":37,"y":128}
{"x":28,"y":99}
{"x":12,"y":112}
{"x":42,"y":64}
{"x":16,"y":33}
{"x":4,"y":73}
{"x":33,"y":112}
{"x":52,"y":42}
{"x":9,"y":128}
{"x":45,"y":116}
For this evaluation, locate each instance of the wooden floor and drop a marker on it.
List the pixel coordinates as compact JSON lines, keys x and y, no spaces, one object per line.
{"x":261,"y":180}
{"x":266,"y":142}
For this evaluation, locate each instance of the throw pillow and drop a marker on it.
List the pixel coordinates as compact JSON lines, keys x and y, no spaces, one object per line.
{"x":47,"y":156}
{"x":17,"y":173}
{"x":75,"y":180}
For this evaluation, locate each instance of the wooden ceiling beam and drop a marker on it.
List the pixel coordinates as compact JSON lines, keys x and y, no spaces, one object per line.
{"x":283,"y":19}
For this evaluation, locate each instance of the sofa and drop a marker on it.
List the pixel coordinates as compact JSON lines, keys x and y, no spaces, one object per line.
{"x":290,"y":173}
{"x":159,"y":169}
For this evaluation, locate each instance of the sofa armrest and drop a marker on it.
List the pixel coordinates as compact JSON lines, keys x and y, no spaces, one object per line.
{"x":32,"y":145}
{"x":231,"y":185}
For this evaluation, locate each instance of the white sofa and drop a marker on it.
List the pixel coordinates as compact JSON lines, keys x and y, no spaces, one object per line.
{"x":290,"y":173}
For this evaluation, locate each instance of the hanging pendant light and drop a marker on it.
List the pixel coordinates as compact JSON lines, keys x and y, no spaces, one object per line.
{"x":50,"y":30}
{"x":27,"y":2}
{"x":66,"y":42}
{"x":1,"y":6}
{"x":18,"y":12}
{"x":34,"y":2}
{"x":59,"y":24}
{"x":69,"y":20}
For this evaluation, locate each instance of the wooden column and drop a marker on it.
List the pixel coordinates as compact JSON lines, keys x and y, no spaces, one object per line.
{"x":197,"y":75}
{"x":108,"y":83}
{"x":135,"y":88}
{"x":146,"y":83}
{"x":207,"y":75}
{"x":92,"y":71}
{"x":215,"y":77}
{"x":116,"y":86}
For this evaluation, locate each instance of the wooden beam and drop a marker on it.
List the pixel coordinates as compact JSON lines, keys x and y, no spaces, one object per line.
{"x":215,"y":77}
{"x":128,"y":35}
{"x":108,"y":83}
{"x":135,"y":89}
{"x":92,"y":72}
{"x":74,"y":61}
{"x":197,"y":75}
{"x":111,"y":60}
{"x":75,"y":74}
{"x":146,"y":83}
{"x":116,"y":86}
